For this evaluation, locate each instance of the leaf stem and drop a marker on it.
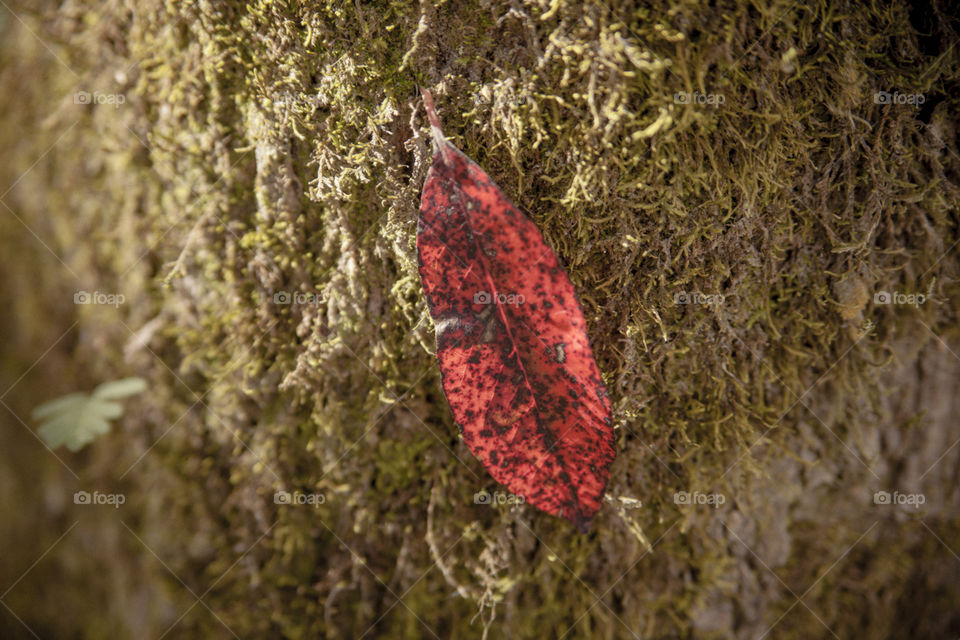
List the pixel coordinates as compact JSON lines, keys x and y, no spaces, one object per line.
{"x":438,"y":136}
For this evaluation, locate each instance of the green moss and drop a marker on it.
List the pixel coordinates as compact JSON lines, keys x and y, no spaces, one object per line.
{"x":279,"y":148}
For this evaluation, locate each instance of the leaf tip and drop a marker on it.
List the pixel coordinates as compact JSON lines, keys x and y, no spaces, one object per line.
{"x":582,"y":525}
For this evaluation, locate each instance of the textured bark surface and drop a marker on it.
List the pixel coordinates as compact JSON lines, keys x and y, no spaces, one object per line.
{"x":758,"y":205}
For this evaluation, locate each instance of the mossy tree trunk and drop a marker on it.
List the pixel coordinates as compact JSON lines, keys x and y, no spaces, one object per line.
{"x":757,"y":203}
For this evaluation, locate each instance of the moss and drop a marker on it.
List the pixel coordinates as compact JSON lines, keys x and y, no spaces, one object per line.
{"x":725,"y":192}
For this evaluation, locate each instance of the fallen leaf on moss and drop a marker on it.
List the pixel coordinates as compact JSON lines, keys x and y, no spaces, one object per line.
{"x":517,"y":366}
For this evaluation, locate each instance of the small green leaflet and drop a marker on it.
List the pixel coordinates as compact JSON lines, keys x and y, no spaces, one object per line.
{"x":77,"y":419}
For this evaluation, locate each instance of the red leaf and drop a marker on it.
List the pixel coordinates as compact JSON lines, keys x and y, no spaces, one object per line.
{"x":512,"y":345}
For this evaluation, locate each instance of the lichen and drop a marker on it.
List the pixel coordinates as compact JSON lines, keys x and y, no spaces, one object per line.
{"x":726,"y":191}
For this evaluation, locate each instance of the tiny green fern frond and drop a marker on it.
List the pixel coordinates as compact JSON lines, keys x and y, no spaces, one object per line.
{"x":77,"y":419}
